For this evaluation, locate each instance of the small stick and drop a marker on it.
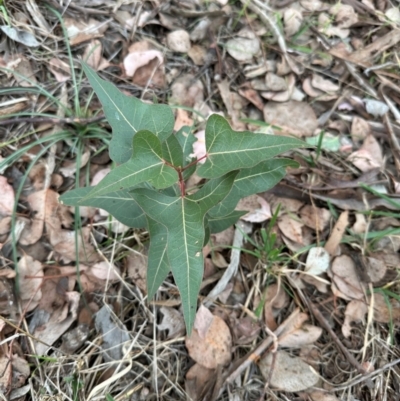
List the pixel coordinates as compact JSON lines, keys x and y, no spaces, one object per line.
{"x":322,"y":321}
{"x":368,"y":376}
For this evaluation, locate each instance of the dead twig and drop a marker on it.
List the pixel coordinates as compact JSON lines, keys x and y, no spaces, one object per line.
{"x":368,"y":376}
{"x":322,"y":321}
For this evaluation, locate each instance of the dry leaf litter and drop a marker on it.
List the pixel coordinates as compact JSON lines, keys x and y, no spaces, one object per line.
{"x":313,"y":315}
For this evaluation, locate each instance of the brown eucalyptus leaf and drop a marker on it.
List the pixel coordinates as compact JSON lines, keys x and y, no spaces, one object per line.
{"x":172,"y":321}
{"x":213,"y":347}
{"x":291,"y":228}
{"x":179,"y":41}
{"x":295,"y":118}
{"x":305,"y":335}
{"x":289,"y":374}
{"x":345,"y":278}
{"x":244,"y":47}
{"x":30,"y":282}
{"x":355,"y":312}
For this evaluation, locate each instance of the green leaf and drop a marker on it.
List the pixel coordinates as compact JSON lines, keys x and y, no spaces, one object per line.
{"x":207,"y":232}
{"x":183,"y":218}
{"x":187,"y":139}
{"x":158,"y":264}
{"x":146,"y":164}
{"x":172,"y":151}
{"x":128,"y":115}
{"x":229,"y":150}
{"x":253,"y":180}
{"x":218,"y":224}
{"x":120,"y":204}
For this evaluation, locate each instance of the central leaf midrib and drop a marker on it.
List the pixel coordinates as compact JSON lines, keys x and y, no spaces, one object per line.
{"x":186,"y":248}
{"x":112,"y":101}
{"x":127,"y":176}
{"x":255,"y":175}
{"x":244,"y":150}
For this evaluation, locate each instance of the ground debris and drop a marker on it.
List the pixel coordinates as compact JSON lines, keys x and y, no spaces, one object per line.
{"x":73,"y":291}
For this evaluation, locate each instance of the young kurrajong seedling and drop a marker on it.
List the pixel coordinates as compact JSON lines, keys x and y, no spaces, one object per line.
{"x":147,"y":188}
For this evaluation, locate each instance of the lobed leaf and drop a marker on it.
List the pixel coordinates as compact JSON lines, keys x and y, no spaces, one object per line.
{"x":146,"y":164}
{"x":218,"y":224}
{"x":120,"y":204}
{"x":187,"y":139}
{"x":229,"y":150}
{"x":128,"y":115}
{"x":183,"y":218}
{"x":158,"y":265}
{"x":172,"y":151}
{"x":253,"y":180}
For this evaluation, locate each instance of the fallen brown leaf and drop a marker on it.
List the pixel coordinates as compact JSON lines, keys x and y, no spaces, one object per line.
{"x":136,"y":59}
{"x":258,"y":208}
{"x":211,"y":341}
{"x":317,"y":261}
{"x":186,"y":91}
{"x":345,"y":281}
{"x":137,"y":270}
{"x":252,"y":96}
{"x":198,"y":54}
{"x":276,"y":299}
{"x":179,"y":41}
{"x":172,"y":321}
{"x":345,"y":16}
{"x":114,"y":335}
{"x":145,"y":64}
{"x":293,"y":117}
{"x":386,"y":310}
{"x":245,"y":330}
{"x":244,"y":47}
{"x":81,"y":31}
{"x":63,"y":242}
{"x":336,"y":236}
{"x":233,"y":103}
{"x":105,"y":271}
{"x":292,"y":19}
{"x":289,"y":373}
{"x":60,"y":70}
{"x":198,"y":379}
{"x":305,"y":335}
{"x":182,"y":119}
{"x":369,"y":156}
{"x":93,"y":55}
{"x":51,"y":327}
{"x":354,"y":313}
{"x":315,"y":217}
{"x":291,"y":228}
{"x":30,"y":287}
{"x":360,"y":129}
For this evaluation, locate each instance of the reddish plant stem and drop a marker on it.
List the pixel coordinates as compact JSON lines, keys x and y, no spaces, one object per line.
{"x":181,"y":182}
{"x":180,"y":170}
{"x":194,"y":162}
